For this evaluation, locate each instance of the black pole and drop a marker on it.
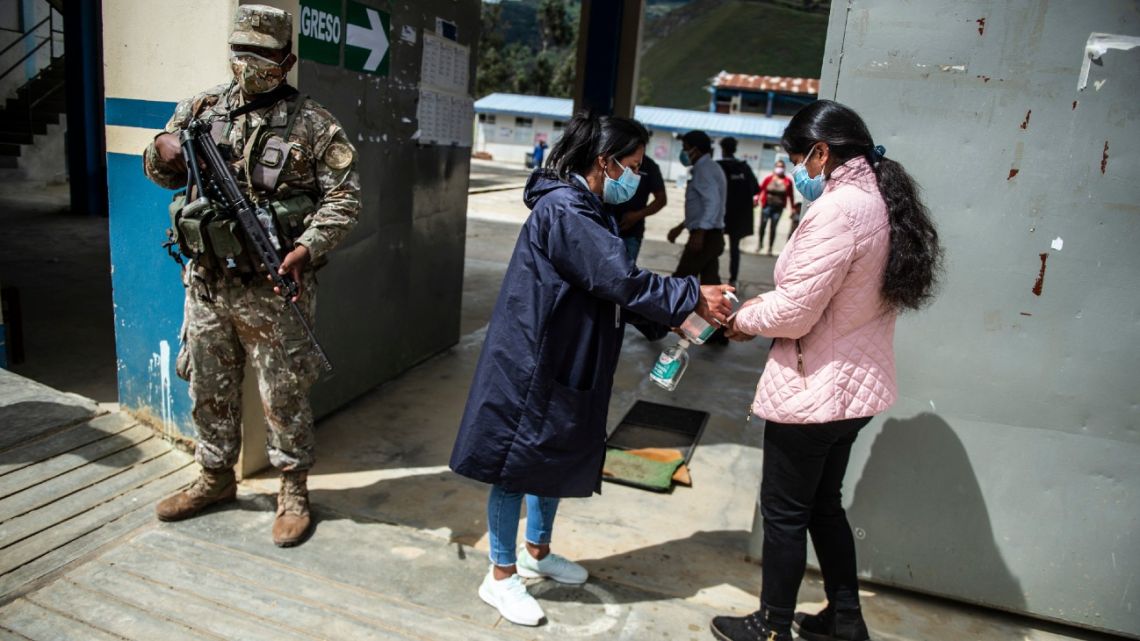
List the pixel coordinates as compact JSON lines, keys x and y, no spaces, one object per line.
{"x":603,"y":40}
{"x":86,"y":147}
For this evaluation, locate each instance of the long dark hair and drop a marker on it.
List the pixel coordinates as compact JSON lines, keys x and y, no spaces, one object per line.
{"x":916,"y":257}
{"x":588,"y":136}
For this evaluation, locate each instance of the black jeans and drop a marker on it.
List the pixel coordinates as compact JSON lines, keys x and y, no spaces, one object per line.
{"x":705,"y":263}
{"x":734,"y":257}
{"x":801,"y":492}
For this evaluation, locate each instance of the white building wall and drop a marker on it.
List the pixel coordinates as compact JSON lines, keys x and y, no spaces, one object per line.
{"x":509,"y":138}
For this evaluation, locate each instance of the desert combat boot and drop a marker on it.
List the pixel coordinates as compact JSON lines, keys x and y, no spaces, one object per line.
{"x":292,"y":522}
{"x":211,"y":487}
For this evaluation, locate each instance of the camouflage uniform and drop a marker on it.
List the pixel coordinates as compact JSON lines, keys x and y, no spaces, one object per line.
{"x":227,"y":319}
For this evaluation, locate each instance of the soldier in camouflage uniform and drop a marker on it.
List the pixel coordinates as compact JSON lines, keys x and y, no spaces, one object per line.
{"x":290,"y":151}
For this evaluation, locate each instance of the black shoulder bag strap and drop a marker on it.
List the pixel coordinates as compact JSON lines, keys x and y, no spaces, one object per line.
{"x":266,"y":99}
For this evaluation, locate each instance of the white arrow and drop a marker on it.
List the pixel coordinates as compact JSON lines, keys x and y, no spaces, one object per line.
{"x":373,"y":38}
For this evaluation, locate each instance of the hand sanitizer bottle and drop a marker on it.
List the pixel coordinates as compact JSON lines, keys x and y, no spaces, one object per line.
{"x":671,"y":365}
{"x":697,"y":329}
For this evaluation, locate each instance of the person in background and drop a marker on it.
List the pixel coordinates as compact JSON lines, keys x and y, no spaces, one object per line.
{"x":535,"y":423}
{"x":631,"y":215}
{"x":865,"y":251}
{"x":705,"y":196}
{"x":775,"y":194}
{"x":742,"y":188}
{"x":539,"y":153}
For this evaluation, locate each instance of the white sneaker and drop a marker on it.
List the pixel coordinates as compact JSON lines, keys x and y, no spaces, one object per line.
{"x":511,"y":599}
{"x":552,"y":566}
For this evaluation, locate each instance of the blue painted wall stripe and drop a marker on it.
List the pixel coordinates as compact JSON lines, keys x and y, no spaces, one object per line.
{"x":148,"y":296}
{"x":148,"y":114}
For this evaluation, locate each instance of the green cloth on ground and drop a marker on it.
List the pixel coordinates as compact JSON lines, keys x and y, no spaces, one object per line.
{"x":621,"y":465}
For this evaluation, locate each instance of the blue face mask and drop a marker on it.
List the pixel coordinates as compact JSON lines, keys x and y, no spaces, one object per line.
{"x":811,"y":188}
{"x":685,"y":159}
{"x":616,"y":192}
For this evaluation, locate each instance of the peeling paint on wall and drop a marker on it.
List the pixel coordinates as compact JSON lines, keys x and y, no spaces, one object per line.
{"x":1039,"y":284}
{"x":159,"y":385}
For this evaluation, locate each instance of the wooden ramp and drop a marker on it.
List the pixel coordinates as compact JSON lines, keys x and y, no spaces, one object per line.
{"x":72,"y":479}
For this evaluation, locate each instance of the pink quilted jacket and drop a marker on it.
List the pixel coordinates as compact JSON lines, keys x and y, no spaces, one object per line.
{"x":833,"y":357}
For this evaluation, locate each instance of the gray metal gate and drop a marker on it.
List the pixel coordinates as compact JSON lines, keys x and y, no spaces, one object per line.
{"x":1007,"y":473}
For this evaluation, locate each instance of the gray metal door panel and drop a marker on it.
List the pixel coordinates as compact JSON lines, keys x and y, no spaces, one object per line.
{"x":1007,"y":473}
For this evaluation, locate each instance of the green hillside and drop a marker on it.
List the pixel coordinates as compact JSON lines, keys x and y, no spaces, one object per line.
{"x":741,"y":36}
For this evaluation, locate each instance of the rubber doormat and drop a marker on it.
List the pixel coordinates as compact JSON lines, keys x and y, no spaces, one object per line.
{"x":652,"y":446}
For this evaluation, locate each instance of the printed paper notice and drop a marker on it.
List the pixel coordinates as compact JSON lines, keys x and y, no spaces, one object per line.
{"x":446,"y":111}
{"x":445,"y":119}
{"x":446,"y":64}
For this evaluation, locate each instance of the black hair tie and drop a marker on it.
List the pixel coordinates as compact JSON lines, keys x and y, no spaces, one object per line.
{"x":878,"y":152}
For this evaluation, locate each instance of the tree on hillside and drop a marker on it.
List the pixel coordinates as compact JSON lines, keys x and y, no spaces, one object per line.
{"x":492,"y":70}
{"x":554,"y":21}
{"x":544,"y":66}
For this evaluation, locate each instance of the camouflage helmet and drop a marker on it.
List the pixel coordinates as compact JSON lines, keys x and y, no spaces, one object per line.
{"x":258,"y":25}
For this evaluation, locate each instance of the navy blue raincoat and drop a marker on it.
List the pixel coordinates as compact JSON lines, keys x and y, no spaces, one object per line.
{"x":535,"y":420}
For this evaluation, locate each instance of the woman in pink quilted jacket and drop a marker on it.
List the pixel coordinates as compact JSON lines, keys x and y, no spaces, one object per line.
{"x":865,"y":251}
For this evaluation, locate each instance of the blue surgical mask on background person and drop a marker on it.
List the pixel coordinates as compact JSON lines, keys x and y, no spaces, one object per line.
{"x":685,"y":159}
{"x":616,"y":192}
{"x":811,"y":188}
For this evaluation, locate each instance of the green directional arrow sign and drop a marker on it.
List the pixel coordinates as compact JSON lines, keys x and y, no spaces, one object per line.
{"x":321,"y":31}
{"x":366,"y":39}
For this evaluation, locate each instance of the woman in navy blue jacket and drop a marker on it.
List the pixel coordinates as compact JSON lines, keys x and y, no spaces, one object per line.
{"x":535,"y":422}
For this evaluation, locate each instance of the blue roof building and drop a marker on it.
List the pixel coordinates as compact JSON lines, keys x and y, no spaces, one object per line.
{"x":509,"y":125}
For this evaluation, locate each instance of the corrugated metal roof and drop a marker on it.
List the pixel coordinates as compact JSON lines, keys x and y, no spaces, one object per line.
{"x":656,"y":118}
{"x":782,"y":84}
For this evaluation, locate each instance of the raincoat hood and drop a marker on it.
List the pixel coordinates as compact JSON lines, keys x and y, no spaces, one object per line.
{"x":546,"y":181}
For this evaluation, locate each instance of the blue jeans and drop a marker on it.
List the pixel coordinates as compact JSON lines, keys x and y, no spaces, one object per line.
{"x":503,"y":522}
{"x":632,"y":247}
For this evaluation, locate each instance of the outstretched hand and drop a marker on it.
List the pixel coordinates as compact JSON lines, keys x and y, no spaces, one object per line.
{"x":732,"y":332}
{"x":713,"y":305}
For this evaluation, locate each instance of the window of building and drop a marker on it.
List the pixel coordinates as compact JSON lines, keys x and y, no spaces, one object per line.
{"x":487,"y":119}
{"x":559,"y":125}
{"x":524,"y":122}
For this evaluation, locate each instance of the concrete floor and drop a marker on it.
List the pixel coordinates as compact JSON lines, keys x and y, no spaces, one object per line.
{"x":400,"y":542}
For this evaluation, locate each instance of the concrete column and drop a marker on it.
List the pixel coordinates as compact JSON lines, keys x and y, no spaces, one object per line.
{"x":154,"y":54}
{"x":609,"y":37}
{"x":86,"y":161}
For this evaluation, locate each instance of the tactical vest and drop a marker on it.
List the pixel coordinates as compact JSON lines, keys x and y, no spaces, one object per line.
{"x":210,"y":236}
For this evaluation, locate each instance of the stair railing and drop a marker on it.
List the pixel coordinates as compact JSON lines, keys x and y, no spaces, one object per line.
{"x":33,"y":101}
{"x":50,"y":21}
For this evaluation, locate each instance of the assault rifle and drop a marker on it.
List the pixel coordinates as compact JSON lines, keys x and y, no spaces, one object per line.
{"x":216,"y":185}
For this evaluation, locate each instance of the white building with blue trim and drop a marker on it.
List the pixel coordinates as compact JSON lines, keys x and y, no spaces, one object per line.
{"x":507,"y":126}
